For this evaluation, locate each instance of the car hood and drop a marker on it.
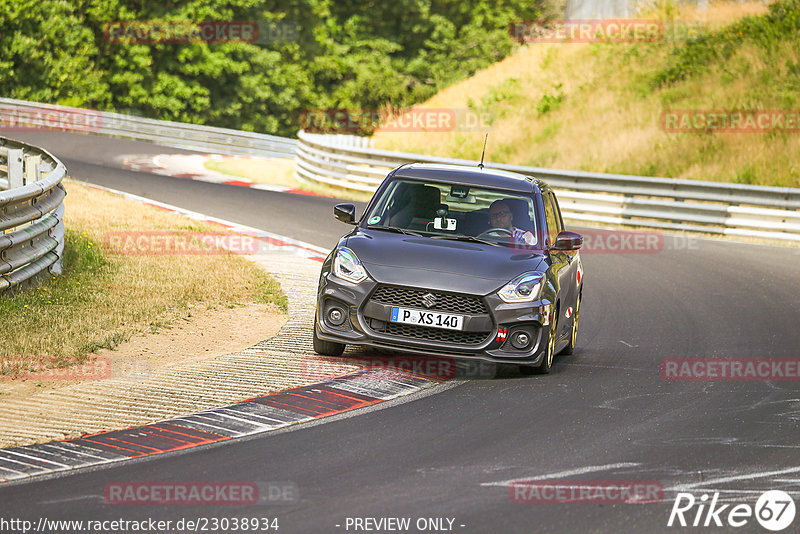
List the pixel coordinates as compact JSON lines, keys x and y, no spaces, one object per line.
{"x":445,"y":265}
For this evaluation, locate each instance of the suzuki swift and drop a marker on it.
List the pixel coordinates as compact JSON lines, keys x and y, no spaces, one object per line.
{"x":455,"y":261}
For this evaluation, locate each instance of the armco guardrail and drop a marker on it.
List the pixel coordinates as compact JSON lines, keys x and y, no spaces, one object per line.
{"x":22,"y":115}
{"x":31,"y":213}
{"x":664,"y":203}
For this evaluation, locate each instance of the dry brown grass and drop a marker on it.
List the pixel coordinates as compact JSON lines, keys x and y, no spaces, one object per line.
{"x":272,"y":171}
{"x":102,"y":299}
{"x":276,"y":171}
{"x":608,"y":120}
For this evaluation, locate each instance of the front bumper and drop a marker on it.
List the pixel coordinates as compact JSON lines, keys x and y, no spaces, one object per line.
{"x":364,"y":321}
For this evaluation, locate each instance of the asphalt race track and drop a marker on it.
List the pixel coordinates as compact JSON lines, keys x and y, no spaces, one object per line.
{"x":603,"y":414}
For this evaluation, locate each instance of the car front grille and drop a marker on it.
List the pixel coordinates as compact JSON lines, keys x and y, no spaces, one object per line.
{"x":436,"y":334}
{"x":415,"y":298}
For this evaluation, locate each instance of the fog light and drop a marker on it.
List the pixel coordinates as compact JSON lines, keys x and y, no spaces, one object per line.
{"x":336,"y":316}
{"x":520,"y":340}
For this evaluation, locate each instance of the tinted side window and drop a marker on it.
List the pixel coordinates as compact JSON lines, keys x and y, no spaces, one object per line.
{"x":550,"y":217}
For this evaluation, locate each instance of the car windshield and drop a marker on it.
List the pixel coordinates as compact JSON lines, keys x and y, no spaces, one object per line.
{"x":442,"y":210}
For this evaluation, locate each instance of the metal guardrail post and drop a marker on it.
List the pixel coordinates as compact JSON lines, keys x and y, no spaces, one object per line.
{"x":31,"y":173}
{"x":57,"y":233}
{"x":15,"y":168}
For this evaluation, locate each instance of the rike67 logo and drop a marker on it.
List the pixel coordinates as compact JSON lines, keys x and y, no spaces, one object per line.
{"x":774,"y":510}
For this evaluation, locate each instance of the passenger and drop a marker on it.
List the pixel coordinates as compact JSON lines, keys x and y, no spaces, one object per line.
{"x":500,"y":217}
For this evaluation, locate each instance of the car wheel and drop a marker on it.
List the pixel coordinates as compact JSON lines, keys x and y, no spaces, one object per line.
{"x":549,"y":355}
{"x":569,"y":349}
{"x":326,"y":348}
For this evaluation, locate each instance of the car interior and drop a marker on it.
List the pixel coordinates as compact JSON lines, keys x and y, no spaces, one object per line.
{"x":414,"y":207}
{"x":417,"y":205}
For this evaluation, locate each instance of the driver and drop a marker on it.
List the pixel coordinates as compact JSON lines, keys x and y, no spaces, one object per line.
{"x":500,"y":217}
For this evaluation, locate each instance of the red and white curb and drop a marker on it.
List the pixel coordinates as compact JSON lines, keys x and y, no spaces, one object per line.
{"x":258,"y":415}
{"x":192,"y":167}
{"x":270,"y":241}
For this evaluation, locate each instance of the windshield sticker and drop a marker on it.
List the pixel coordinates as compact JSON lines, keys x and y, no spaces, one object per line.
{"x":375,"y":220}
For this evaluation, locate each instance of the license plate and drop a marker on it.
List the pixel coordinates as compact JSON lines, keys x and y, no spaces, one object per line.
{"x":427,"y":318}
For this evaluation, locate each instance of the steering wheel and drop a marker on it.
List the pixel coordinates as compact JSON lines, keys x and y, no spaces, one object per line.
{"x":496,"y":231}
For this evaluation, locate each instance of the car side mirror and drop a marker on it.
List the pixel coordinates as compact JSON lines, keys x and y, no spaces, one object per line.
{"x":345,"y":213}
{"x":568,"y":241}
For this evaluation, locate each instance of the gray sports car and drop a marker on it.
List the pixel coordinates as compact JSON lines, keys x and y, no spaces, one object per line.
{"x":456,"y":261}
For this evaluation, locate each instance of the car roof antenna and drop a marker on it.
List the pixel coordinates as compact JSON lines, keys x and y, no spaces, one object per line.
{"x":484,"y":151}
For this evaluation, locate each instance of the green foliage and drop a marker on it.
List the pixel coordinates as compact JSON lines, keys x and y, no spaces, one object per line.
{"x":48,"y":54}
{"x":746,"y":175}
{"x":82,"y":256}
{"x":498,"y":100}
{"x":702,"y":49}
{"x":358,"y":54}
{"x":548,"y":132}
{"x":550,"y":101}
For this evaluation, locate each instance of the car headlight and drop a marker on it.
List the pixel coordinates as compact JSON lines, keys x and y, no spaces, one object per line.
{"x":524,"y":288}
{"x":347,"y":266}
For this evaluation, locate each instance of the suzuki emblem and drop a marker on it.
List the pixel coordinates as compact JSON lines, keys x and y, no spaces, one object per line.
{"x":428,"y":300}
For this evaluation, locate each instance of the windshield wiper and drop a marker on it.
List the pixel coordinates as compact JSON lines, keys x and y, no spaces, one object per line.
{"x":467,"y":238}
{"x":393,"y":229}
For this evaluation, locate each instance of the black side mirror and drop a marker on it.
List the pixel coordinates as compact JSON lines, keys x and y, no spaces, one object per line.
{"x":345,"y":213}
{"x":568,"y":241}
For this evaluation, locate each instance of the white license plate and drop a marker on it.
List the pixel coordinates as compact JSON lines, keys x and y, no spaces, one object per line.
{"x":427,"y":318}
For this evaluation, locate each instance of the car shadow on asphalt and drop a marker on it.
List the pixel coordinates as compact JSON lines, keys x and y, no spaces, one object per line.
{"x":440,"y":368}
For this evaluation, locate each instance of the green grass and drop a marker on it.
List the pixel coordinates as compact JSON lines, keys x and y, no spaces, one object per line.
{"x":102,"y":298}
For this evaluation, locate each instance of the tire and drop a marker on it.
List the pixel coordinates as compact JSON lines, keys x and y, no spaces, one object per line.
{"x":550,"y":352}
{"x":570,"y":348}
{"x":326,"y":348}
{"x":549,"y":355}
